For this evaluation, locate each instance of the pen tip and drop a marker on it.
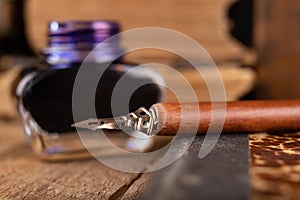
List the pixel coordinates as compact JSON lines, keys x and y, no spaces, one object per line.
{"x":90,"y":124}
{"x":94,"y":124}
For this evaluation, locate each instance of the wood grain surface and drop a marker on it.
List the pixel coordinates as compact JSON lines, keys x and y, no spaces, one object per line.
{"x":275,"y":158}
{"x":24,"y":176}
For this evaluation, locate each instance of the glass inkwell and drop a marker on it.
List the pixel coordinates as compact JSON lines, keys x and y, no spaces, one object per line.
{"x":44,"y":92}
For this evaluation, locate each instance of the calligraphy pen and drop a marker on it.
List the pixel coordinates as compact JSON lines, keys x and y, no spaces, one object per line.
{"x":236,"y":117}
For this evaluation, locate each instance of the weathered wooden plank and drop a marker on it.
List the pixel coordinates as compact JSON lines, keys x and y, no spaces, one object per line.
{"x":22,"y":175}
{"x":33,"y":178}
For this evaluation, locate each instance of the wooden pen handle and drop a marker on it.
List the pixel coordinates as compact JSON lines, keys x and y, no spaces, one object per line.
{"x":240,"y":116}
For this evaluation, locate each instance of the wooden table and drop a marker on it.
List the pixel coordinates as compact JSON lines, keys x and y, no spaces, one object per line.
{"x":274,"y":169}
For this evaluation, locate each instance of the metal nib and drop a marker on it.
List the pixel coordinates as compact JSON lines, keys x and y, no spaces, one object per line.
{"x":141,"y":120}
{"x":95,"y":124}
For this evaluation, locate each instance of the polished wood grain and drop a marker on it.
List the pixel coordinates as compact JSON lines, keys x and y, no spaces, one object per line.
{"x":240,"y":116}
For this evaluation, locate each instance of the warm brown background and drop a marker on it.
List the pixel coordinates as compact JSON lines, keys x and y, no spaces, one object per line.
{"x":205,"y":20}
{"x":277,"y":42}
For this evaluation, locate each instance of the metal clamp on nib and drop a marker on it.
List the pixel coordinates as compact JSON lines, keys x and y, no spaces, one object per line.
{"x":142,"y":120}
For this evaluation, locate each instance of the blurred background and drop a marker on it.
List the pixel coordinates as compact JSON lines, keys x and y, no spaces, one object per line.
{"x":262,"y":34}
{"x":225,"y":28}
{"x":255,"y":44}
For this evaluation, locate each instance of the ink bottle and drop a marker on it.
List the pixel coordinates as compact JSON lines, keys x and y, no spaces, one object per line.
{"x":44,"y":92}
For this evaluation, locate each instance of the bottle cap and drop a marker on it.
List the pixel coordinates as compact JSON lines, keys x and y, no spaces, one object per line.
{"x":71,"y":41}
